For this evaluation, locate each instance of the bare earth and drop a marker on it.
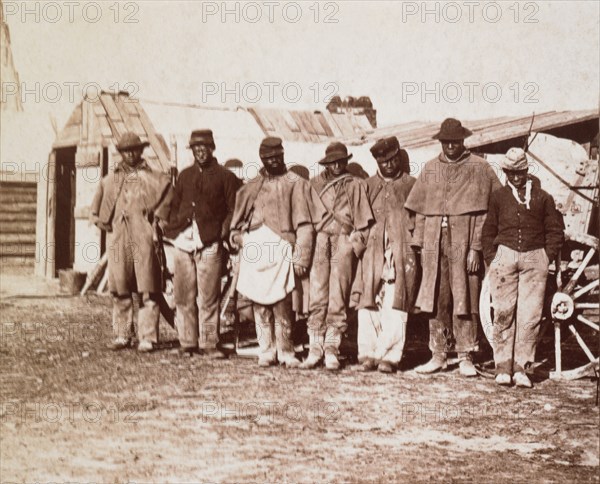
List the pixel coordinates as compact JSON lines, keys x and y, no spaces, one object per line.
{"x":72,"y":411}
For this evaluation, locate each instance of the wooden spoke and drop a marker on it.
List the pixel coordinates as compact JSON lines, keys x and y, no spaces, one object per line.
{"x":591,"y":324}
{"x":586,"y":305}
{"x":573,"y":281}
{"x":585,"y":289}
{"x":584,"y":347}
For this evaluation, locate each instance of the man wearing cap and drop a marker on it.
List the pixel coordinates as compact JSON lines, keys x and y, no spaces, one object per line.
{"x":341,"y":240}
{"x":273,"y":226}
{"x":450,"y":199}
{"x":201,"y":211}
{"x":129,"y":202}
{"x":388,"y":269}
{"x":522,"y":233}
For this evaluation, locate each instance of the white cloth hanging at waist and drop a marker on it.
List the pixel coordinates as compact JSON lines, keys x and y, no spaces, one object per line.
{"x":266,"y":270}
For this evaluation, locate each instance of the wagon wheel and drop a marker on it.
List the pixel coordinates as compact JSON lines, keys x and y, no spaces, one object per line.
{"x":573,"y":304}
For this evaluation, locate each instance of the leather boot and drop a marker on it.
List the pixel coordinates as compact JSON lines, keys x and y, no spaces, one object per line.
{"x":437,"y":363}
{"x":315,"y":352}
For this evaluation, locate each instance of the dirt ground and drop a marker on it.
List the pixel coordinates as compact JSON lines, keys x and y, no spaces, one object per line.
{"x":72,"y":411}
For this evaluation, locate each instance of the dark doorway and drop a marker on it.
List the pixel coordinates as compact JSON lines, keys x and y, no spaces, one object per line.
{"x":64,"y":236}
{"x":104,"y":173}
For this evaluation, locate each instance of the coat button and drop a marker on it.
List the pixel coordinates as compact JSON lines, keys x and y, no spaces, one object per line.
{"x":193,"y":204}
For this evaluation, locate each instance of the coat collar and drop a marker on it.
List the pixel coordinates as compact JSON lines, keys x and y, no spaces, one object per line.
{"x":462,"y":157}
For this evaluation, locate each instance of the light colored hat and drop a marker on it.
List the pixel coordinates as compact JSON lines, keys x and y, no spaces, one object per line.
{"x":515,"y":160}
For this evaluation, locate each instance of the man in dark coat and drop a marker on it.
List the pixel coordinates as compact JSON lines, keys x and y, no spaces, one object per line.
{"x":388,"y":269}
{"x":201,"y":211}
{"x":273,"y":226}
{"x":341,"y":240}
{"x":522,"y":233}
{"x":129,"y":201}
{"x":450,"y":199}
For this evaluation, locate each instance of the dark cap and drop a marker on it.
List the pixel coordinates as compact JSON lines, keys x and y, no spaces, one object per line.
{"x":452,"y":130}
{"x":335,"y":151}
{"x":385,"y":148}
{"x":202,"y":137}
{"x":270,"y":146}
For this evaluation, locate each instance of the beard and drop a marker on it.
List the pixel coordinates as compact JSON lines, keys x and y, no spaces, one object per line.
{"x":275,"y":170}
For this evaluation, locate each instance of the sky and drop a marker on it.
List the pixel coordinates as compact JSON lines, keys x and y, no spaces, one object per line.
{"x":416,"y":60}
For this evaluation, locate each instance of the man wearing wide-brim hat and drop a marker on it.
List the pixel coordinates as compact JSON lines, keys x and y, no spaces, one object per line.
{"x":272,"y":226}
{"x":201,"y":211}
{"x":387,"y":277}
{"x":341,"y":240}
{"x":522,"y":233}
{"x":450,"y":199}
{"x":128,"y":203}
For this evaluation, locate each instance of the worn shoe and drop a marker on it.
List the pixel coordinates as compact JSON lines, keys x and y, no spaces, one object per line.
{"x":503,"y":379}
{"x":119,"y":344}
{"x":522,"y":380}
{"x":467,"y":368}
{"x":331,"y":362}
{"x":311,"y":361}
{"x":187,"y":352}
{"x":437,"y":363}
{"x":265,"y":361}
{"x":368,"y":365}
{"x":290,"y":362}
{"x":145,"y":346}
{"x":214,"y":354}
{"x":386,"y":367}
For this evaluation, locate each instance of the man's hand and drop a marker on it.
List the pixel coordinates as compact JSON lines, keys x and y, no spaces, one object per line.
{"x":300,"y":271}
{"x":237,"y":241}
{"x":473,"y":261}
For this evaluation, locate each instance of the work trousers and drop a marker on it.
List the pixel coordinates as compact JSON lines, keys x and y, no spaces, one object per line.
{"x":197,"y":282}
{"x":331,"y":277}
{"x":147,"y":320}
{"x":448,"y":332}
{"x":517,"y":286}
{"x":382,"y":331}
{"x":274,"y":329}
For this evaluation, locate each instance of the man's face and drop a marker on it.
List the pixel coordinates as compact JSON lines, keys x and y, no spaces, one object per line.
{"x":274,"y":164}
{"x":202,"y":153}
{"x":453,"y":148}
{"x":389,"y":168}
{"x":132,"y":156}
{"x":336,"y":168}
{"x":517,"y":177}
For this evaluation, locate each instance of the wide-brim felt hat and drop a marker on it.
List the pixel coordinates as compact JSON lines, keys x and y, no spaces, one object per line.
{"x":336,"y":151}
{"x":452,"y":130}
{"x":129,"y":141}
{"x":202,"y":137}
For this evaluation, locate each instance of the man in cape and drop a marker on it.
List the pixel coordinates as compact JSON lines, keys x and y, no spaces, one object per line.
{"x":450,"y":199}
{"x":341,"y":239}
{"x":272,"y":224}
{"x":128,"y":202}
{"x":388,"y":271}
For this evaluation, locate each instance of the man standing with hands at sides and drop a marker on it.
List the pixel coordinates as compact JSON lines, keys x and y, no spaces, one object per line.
{"x":128,"y":203}
{"x":201,"y":211}
{"x":450,"y":199}
{"x":273,"y":226}
{"x":522,"y":233}
{"x":388,"y":269}
{"x":341,"y":240}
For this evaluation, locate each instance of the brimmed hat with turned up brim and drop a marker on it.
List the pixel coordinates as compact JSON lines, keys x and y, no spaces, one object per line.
{"x":452,"y":130}
{"x":336,"y":151}
{"x":130,"y":141}
{"x":202,"y":137}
